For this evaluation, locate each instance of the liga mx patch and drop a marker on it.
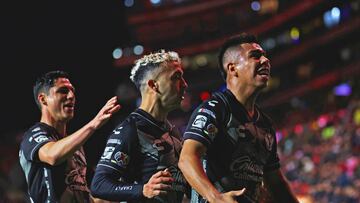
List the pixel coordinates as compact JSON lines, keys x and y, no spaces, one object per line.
{"x":122,"y":159}
{"x":199,"y":121}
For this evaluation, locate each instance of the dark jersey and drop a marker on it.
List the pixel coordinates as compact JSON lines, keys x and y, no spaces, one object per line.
{"x":239,"y":149}
{"x":61,"y":183}
{"x":138,"y":148}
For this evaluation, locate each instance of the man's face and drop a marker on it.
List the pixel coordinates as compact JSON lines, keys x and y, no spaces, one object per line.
{"x":60,"y":101}
{"x":253,"y":67}
{"x":172,"y":85}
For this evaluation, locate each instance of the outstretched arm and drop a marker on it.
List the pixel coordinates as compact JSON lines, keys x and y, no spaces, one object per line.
{"x":278,"y":186}
{"x":191,"y":167}
{"x":55,"y":153}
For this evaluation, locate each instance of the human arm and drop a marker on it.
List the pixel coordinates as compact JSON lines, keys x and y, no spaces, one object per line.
{"x":115,"y":176}
{"x":278,"y":186}
{"x":191,"y":167}
{"x":55,"y":152}
{"x":105,"y":186}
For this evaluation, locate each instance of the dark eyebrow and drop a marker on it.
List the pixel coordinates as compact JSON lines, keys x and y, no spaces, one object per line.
{"x":256,"y":51}
{"x":72,"y":88}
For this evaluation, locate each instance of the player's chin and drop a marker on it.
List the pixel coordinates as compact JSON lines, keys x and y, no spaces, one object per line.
{"x":68,"y":116}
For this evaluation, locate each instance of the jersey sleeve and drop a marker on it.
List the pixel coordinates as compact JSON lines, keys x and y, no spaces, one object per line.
{"x":109,"y":181}
{"x":273,"y":161}
{"x":204,"y":123}
{"x":33,"y":140}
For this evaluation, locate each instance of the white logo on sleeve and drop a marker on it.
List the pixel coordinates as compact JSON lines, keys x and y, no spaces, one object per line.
{"x":199,"y":121}
{"x":41,"y":138}
{"x":212,"y":103}
{"x":108,"y":152}
{"x":36,"y":129}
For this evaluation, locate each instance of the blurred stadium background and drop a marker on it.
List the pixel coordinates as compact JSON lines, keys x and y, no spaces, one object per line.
{"x":313,"y":95}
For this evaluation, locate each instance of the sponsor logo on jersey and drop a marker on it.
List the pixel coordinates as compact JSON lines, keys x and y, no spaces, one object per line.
{"x":41,"y":138}
{"x":121,"y":188}
{"x":199,"y":121}
{"x":114,"y":141}
{"x":37,"y":134}
{"x":107,"y":153}
{"x":207,"y":111}
{"x":244,"y":168}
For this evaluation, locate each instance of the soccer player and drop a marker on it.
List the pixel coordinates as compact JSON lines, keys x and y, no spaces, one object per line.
{"x":230,"y":145}
{"x":53,"y":161}
{"x":139,"y":163}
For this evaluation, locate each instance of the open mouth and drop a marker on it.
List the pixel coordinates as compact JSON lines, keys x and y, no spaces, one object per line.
{"x":69,"y":106}
{"x":263,"y":71}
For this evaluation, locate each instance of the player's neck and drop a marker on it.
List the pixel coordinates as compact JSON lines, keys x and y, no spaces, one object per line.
{"x":60,"y":126}
{"x":245,"y":95}
{"x":153,"y":107}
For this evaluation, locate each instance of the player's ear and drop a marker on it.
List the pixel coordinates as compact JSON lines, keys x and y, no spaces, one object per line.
{"x":153,"y":85}
{"x":231,"y":69}
{"x":42,"y":98}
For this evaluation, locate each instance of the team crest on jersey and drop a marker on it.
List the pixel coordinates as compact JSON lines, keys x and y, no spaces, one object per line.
{"x":199,"y":121}
{"x":241,"y":131}
{"x":121,"y":158}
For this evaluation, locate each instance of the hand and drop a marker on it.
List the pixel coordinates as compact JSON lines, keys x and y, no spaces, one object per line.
{"x":228,"y":197}
{"x":158,"y":184}
{"x":106,"y":112}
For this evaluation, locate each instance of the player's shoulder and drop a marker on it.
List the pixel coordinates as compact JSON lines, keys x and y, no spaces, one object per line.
{"x":126,"y":129}
{"x":37,"y":133}
{"x":215,"y":102}
{"x":35,"y":129}
{"x":214,"y":106}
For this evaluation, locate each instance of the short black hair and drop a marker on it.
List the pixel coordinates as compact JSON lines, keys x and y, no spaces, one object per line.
{"x":45,"y":82}
{"x":231,"y":42}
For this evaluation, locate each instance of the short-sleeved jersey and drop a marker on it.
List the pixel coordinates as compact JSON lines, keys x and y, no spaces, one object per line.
{"x":138,"y":148}
{"x":239,"y":148}
{"x":47,"y":183}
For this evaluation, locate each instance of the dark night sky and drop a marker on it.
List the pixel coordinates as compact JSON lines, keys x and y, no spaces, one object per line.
{"x":75,"y":36}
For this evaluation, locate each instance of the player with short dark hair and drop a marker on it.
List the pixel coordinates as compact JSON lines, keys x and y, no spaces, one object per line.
{"x":53,"y":161}
{"x":230,"y":145}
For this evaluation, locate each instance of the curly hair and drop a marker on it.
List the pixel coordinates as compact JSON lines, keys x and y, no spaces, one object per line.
{"x":149,"y":63}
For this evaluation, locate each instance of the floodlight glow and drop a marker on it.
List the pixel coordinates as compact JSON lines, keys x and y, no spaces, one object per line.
{"x":342,"y":90}
{"x":155,"y":1}
{"x":294,"y":33}
{"x":255,"y":6}
{"x":117,"y":53}
{"x":129,"y":3}
{"x":138,"y":49}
